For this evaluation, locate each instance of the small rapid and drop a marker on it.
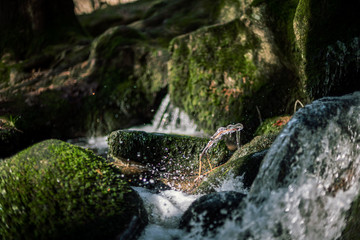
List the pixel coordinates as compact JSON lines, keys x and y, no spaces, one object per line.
{"x":308,"y":179}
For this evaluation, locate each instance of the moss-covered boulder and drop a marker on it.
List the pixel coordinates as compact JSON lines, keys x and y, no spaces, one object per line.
{"x":244,"y":163}
{"x":231,"y":72}
{"x":272,"y":54}
{"x":54,"y":190}
{"x":174,"y":154}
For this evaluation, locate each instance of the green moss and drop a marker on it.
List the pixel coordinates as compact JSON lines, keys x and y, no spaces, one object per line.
{"x":212,"y":72}
{"x":7,"y":65}
{"x":272,"y":125}
{"x":54,"y":190}
{"x":107,"y":44}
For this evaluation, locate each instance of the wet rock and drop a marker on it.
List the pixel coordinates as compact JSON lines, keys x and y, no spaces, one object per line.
{"x":174,"y":154}
{"x":208,"y":213}
{"x":131,"y":77}
{"x":54,"y":190}
{"x":244,"y":164}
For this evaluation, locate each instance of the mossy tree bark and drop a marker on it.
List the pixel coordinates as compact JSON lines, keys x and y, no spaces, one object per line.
{"x":26,"y":26}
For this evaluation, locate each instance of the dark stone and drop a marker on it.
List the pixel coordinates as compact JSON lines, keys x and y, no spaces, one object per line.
{"x":327,"y":35}
{"x":211,"y":211}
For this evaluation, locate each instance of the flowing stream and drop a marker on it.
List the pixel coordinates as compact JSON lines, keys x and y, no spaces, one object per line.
{"x":305,"y":186}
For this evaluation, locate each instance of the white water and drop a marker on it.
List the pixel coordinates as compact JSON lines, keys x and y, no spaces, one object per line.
{"x":166,"y":208}
{"x":164,"y":211}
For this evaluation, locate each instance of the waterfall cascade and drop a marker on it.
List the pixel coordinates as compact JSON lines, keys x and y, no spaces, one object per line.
{"x":171,"y":119}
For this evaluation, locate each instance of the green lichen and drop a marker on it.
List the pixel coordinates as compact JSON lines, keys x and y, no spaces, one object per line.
{"x":54,"y":190}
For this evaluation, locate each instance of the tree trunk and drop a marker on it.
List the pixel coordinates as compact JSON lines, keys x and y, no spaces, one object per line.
{"x":26,"y":26}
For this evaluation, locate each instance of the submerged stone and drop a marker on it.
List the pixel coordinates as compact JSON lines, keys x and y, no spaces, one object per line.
{"x":208,"y":213}
{"x":54,"y":190}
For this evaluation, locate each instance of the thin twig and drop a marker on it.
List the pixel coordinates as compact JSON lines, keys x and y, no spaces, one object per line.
{"x":259,"y":114}
{"x":296,"y":103}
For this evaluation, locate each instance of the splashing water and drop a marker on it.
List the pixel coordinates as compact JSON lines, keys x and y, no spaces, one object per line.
{"x":219,"y":134}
